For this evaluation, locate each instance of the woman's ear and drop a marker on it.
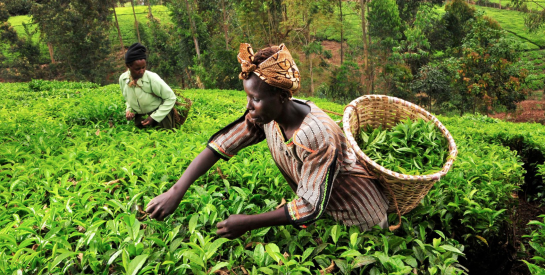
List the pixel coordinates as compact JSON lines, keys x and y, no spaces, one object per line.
{"x":284,"y":96}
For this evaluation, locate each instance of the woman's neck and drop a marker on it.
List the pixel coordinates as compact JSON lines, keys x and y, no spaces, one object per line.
{"x":292,"y":117}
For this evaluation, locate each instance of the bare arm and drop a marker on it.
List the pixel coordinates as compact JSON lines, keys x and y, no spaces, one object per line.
{"x":236,"y":225}
{"x":165,"y":204}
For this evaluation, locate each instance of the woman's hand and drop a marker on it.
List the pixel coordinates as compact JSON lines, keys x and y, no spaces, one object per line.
{"x":129,"y":115}
{"x":163,"y":205}
{"x":147,"y":121}
{"x":234,"y":226}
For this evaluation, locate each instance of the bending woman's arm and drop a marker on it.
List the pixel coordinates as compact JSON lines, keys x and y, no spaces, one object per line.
{"x":165,"y":204}
{"x":236,"y":225}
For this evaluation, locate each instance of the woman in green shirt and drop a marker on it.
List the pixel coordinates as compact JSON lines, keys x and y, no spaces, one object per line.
{"x":146,"y":93}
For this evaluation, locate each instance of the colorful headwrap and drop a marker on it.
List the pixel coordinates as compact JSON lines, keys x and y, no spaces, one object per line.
{"x":279,"y":70}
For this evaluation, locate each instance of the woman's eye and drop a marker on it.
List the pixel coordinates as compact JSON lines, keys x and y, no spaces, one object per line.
{"x":256,"y":99}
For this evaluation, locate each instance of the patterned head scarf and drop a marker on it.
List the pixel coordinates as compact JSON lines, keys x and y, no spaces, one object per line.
{"x":279,"y":70}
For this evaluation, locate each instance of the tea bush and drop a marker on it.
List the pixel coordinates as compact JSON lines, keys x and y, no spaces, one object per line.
{"x":75,"y":177}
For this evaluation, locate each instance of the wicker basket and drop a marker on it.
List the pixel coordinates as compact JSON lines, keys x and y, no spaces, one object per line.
{"x":404,"y":192}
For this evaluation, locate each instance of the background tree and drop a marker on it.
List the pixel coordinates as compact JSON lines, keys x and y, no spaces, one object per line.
{"x":18,"y":7}
{"x":135,"y":22}
{"x":80,"y":31}
{"x":488,"y":67}
{"x":385,"y":27}
{"x":118,"y":30}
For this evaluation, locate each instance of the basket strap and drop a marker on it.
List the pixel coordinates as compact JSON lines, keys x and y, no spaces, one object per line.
{"x":331,"y":112}
{"x":393,"y":227}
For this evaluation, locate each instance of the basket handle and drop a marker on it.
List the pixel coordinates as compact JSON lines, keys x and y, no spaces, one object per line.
{"x":357,"y":115}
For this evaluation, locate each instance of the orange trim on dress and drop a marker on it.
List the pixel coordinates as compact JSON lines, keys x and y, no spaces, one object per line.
{"x":219,"y":148}
{"x":297,"y":216}
{"x":301,"y":145}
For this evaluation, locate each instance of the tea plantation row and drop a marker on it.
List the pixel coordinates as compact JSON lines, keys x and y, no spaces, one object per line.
{"x":75,"y":177}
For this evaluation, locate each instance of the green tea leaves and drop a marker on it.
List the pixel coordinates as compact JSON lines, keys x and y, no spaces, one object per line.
{"x":410,"y":147}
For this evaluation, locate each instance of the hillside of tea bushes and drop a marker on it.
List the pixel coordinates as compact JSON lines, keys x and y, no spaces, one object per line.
{"x":75,"y":177}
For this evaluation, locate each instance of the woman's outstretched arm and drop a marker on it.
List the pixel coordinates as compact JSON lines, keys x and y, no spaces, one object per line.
{"x":236,"y":225}
{"x":165,"y":204}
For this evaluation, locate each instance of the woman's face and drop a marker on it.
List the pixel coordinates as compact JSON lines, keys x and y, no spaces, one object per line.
{"x":263,"y":105}
{"x":137,"y":68}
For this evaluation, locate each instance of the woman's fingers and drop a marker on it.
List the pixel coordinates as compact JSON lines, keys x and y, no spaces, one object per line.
{"x":223,"y":233}
{"x":157,"y":214}
{"x":151,"y":206}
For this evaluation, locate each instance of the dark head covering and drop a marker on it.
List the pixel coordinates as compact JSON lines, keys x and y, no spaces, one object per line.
{"x":136,"y":51}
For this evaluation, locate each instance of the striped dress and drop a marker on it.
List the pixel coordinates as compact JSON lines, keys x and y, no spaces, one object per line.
{"x":318,"y":164}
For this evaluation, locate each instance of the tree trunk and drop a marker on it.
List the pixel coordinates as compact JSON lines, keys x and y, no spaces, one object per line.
{"x":195,"y":40}
{"x":118,"y":31}
{"x":149,"y":10}
{"x":311,"y":76}
{"x":135,"y":22}
{"x":342,"y":34}
{"x":371,"y":67}
{"x":225,"y":26}
{"x":51,"y":53}
{"x":366,"y":81}
{"x":193,"y":30}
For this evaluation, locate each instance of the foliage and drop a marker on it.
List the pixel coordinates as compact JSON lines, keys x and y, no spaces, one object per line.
{"x":83,"y":52}
{"x":163,"y":51}
{"x":385,"y":23}
{"x":433,"y":81}
{"x":75,"y":181}
{"x":537,"y":243}
{"x":18,"y":7}
{"x":22,"y":52}
{"x":457,"y":13}
{"x":410,"y":147}
{"x":344,"y":84}
{"x":487,"y":69}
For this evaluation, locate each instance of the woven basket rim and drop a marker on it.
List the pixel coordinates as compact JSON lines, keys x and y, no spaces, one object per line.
{"x":350,"y":109}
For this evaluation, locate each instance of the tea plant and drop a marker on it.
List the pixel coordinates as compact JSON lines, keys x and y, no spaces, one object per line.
{"x":537,"y":244}
{"x":75,"y":176}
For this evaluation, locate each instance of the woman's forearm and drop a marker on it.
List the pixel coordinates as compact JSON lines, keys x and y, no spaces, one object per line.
{"x":202,"y":163}
{"x":236,"y":225}
{"x":273,"y":218}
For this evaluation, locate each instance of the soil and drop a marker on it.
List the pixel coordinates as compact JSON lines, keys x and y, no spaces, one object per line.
{"x":531,"y":110}
{"x":335,"y":48}
{"x":525,"y":212}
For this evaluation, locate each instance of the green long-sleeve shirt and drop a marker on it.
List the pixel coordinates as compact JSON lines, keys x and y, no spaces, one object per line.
{"x":152,"y":94}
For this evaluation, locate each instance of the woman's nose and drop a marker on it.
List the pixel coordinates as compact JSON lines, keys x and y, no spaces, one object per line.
{"x":249,"y":105}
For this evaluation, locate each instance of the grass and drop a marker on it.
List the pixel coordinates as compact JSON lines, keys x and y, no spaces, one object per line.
{"x":532,"y":5}
{"x":513,"y":22}
{"x":126,"y":22}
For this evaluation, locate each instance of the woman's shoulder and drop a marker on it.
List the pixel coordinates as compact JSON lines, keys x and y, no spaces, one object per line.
{"x":124,"y":75}
{"x":149,"y":75}
{"x":316,"y":130}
